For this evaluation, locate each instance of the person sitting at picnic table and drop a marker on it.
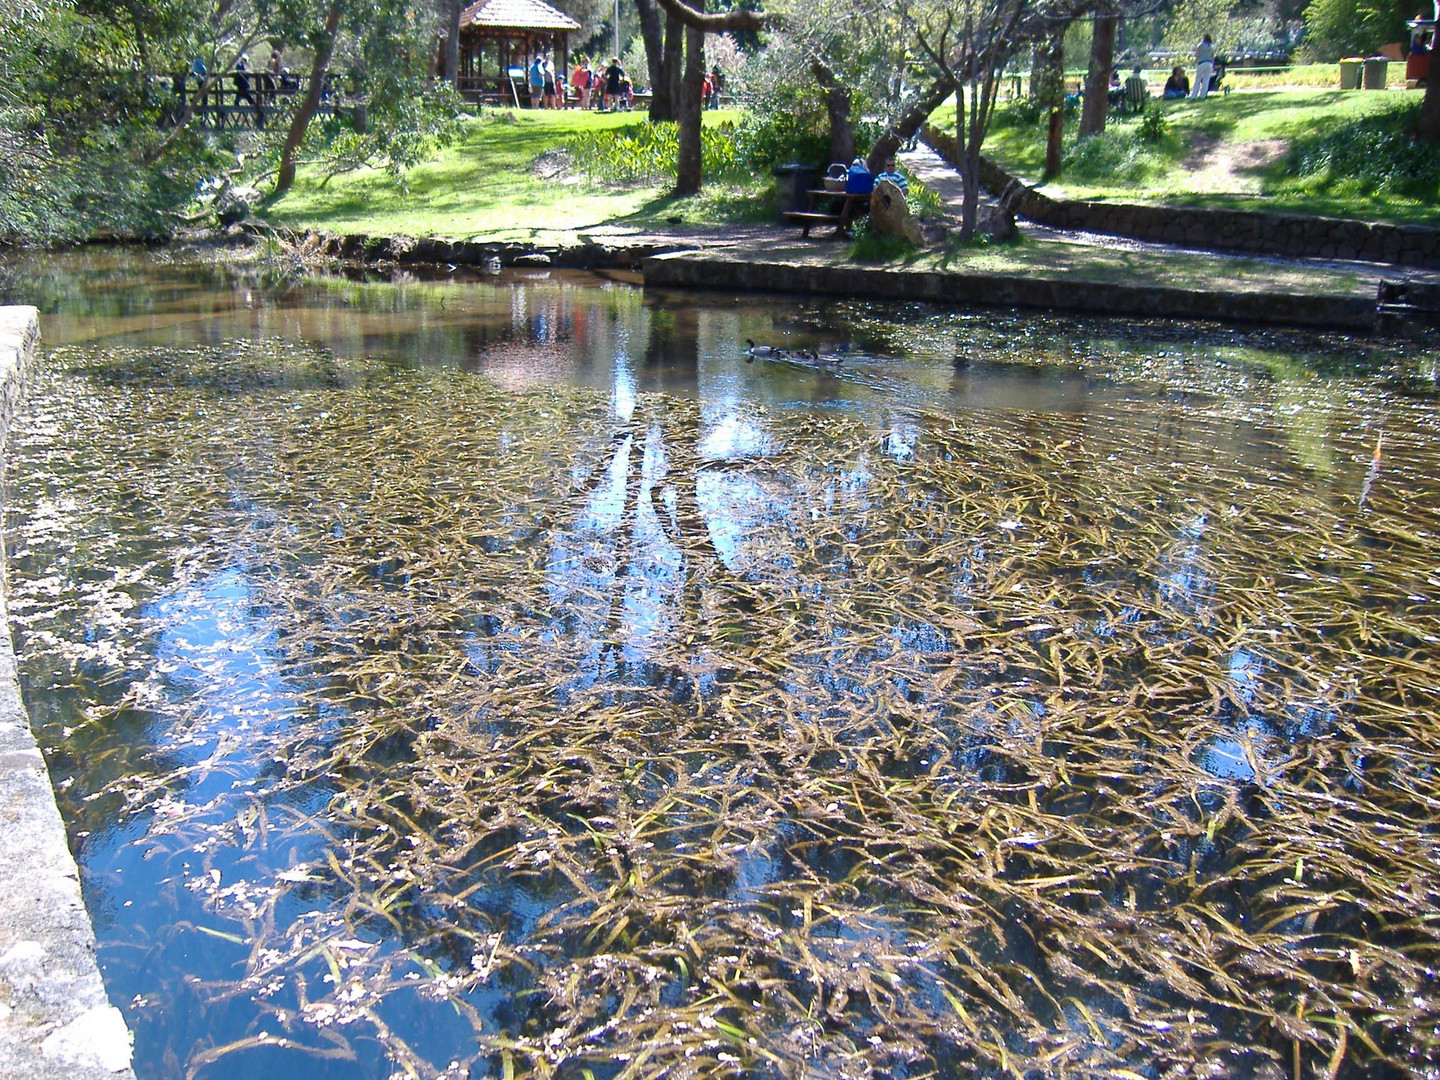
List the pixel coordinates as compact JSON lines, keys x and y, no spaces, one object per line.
{"x":1177,"y":86}
{"x":614,"y":76}
{"x":892,"y":173}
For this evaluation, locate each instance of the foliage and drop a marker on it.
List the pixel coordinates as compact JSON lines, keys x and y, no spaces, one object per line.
{"x":1371,"y":155}
{"x":1340,"y":28}
{"x":872,"y":246}
{"x":404,"y":129}
{"x":1235,"y":27}
{"x":77,"y":136}
{"x":1152,"y":127}
{"x":1119,"y":154}
{"x":647,"y":152}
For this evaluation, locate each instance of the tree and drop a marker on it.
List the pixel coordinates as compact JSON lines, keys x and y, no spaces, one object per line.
{"x":1097,"y":78}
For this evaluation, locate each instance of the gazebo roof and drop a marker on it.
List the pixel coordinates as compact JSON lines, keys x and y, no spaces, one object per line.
{"x":516,"y":15}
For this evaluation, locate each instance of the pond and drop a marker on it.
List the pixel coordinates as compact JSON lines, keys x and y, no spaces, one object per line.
{"x":510,"y":677}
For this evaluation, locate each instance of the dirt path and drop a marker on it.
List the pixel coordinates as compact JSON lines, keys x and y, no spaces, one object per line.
{"x":1222,"y":167}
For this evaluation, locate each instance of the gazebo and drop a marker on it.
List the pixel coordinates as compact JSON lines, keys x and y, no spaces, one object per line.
{"x":498,"y":40}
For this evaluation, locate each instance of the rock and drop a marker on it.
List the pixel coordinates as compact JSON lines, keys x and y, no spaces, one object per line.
{"x":890,"y":216}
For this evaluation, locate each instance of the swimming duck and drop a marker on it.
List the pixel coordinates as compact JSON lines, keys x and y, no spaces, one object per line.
{"x":752,"y":350}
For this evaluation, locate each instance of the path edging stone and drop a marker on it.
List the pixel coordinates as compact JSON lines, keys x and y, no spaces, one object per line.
{"x":56,"y":1022}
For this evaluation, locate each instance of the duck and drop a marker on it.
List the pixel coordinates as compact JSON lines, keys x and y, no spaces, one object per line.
{"x":774,"y":352}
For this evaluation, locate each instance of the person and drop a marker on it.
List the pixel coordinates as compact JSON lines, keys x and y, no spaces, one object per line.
{"x":705,"y":91}
{"x":242,"y":89}
{"x":1177,"y":86}
{"x":535,"y":78}
{"x":614,"y":75}
{"x":580,"y":78}
{"x":1137,"y":91}
{"x":198,"y":70}
{"x":1204,"y":66}
{"x":717,"y":87}
{"x":271,"y":78}
{"x":627,"y":93}
{"x":547,"y":83}
{"x":1116,"y":94}
{"x":894,"y":175}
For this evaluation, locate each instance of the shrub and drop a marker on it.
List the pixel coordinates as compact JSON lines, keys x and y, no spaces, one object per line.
{"x":647,"y":153}
{"x":873,"y":247}
{"x":1371,"y":155}
{"x":1128,"y":154}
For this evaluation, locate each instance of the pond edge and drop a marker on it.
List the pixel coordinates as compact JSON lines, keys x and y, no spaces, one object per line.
{"x":56,"y":1022}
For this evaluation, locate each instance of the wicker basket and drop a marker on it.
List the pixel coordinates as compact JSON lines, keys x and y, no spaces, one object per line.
{"x":835,"y":178}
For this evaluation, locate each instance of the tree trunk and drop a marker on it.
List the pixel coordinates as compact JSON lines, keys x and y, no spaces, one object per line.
{"x":1097,"y":81}
{"x":837,"y":105}
{"x":452,"y":42}
{"x":1054,"y":144}
{"x":688,"y":172}
{"x":305,"y":112}
{"x":674,"y":63}
{"x":908,"y":124}
{"x":1049,"y":92}
{"x":1429,"y":129}
{"x":652,"y":32}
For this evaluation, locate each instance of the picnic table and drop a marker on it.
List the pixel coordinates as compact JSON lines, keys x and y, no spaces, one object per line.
{"x":845,"y":208}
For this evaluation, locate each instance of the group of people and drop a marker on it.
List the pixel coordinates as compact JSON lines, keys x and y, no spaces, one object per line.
{"x":258,"y":89}
{"x":1206,"y":70}
{"x":608,"y":90}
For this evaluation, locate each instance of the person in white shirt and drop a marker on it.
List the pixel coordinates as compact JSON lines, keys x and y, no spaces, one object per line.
{"x":1204,"y":68}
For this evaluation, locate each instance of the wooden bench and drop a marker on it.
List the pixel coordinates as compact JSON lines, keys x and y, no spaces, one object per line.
{"x":850,"y":208}
{"x":810,"y":218}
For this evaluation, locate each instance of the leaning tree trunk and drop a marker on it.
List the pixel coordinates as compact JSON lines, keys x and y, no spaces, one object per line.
{"x":688,"y":173}
{"x":908,"y":124}
{"x":308,"y":106}
{"x":652,"y":32}
{"x":1429,"y":129}
{"x":1097,"y":80}
{"x":837,"y":105}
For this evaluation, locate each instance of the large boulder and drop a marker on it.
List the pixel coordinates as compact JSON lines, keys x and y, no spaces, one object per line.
{"x":890,"y":216}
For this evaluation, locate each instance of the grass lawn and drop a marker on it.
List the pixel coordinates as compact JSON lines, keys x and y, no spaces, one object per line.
{"x":1229,"y":150}
{"x":484,"y":185}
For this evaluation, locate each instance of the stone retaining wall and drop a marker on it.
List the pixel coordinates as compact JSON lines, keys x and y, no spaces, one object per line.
{"x":689,"y":270}
{"x":1254,"y":232}
{"x":55,"y":1021}
{"x":439,"y":251}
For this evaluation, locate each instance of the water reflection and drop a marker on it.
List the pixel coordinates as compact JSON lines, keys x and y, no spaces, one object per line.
{"x":506,"y":677}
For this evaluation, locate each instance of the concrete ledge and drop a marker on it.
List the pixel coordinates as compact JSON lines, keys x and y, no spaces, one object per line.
{"x":55,"y":1021}
{"x":716,"y":271}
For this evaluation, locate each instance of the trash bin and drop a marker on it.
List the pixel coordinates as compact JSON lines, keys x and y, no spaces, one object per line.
{"x":792,"y":182}
{"x":1377,"y":72}
{"x":1350,"y":69}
